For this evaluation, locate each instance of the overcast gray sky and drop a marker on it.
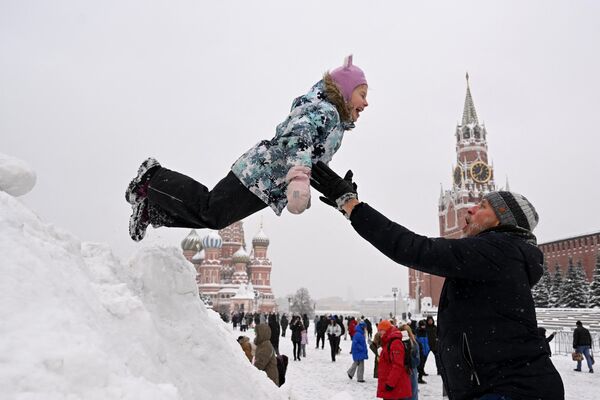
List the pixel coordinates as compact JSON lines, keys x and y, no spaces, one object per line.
{"x":88,"y":89}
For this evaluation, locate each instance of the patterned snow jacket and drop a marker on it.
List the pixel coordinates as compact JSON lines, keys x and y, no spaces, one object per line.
{"x":312,"y":132}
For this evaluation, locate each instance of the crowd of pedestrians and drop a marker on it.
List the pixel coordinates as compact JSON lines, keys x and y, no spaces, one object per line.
{"x":400,"y":349}
{"x":400,"y":356}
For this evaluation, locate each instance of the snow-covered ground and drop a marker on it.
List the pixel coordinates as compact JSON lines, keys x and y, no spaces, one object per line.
{"x":78,"y":323}
{"x":316,"y":377}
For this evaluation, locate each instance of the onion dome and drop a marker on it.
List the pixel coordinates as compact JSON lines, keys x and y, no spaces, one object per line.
{"x":191,"y":242}
{"x":198,"y":257}
{"x":260,"y":239}
{"x":212,"y":241}
{"x":240,"y":256}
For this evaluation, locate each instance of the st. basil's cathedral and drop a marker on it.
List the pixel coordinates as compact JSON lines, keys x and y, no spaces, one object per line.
{"x":228,"y":276}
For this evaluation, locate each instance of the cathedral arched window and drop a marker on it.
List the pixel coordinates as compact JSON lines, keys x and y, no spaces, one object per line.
{"x":466,"y":133}
{"x":477,"y":133}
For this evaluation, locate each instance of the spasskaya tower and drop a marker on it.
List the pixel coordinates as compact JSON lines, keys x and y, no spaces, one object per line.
{"x":472,"y":178}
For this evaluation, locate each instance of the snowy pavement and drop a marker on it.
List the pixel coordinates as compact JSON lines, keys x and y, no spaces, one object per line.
{"x":317,"y":377}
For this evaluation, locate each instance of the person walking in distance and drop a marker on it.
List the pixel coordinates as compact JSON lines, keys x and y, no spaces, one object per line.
{"x":359,"y":353}
{"x":582,"y":343}
{"x":432,"y":340}
{"x":424,"y":349}
{"x":321,"y":329}
{"x":333,"y":335}
{"x":284,"y":324}
{"x":296,"y":327}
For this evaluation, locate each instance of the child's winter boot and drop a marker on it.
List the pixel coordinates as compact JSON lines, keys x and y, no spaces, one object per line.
{"x":139,"y":220}
{"x":138,"y":187}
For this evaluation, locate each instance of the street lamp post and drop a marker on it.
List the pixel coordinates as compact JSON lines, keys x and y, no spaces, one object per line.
{"x":256,"y":294}
{"x":394,"y":292}
{"x":290,"y":305}
{"x":417,"y":281}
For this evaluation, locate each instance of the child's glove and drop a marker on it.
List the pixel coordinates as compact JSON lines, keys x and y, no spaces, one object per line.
{"x":298,"y":190}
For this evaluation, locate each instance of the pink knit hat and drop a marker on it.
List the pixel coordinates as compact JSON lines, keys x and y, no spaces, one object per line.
{"x":348,"y":77}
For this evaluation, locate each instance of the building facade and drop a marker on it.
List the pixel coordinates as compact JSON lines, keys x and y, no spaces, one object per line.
{"x":581,"y":249}
{"x":232,"y":278}
{"x":472,"y":178}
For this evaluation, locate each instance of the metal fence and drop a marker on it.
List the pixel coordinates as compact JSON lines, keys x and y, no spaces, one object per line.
{"x":563,"y":342}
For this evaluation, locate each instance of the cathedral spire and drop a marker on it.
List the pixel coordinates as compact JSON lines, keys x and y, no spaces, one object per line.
{"x":469,"y":114}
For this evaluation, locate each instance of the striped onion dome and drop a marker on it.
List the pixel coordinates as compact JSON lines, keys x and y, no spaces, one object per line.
{"x":212,"y":241}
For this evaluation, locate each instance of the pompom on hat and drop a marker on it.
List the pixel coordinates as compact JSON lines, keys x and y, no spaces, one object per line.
{"x":348,"y":77}
{"x":513,"y":209}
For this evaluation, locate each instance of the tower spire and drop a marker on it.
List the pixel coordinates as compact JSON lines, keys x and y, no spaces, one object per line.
{"x":469,"y":113}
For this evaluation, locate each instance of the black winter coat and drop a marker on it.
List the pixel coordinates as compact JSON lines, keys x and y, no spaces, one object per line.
{"x":275,"y":332}
{"x":296,"y":327}
{"x":487,"y":328}
{"x":581,"y":337}
{"x":432,"y":336}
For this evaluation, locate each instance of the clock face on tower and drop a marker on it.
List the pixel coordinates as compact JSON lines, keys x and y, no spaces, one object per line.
{"x":457,"y":176}
{"x":480,"y":172}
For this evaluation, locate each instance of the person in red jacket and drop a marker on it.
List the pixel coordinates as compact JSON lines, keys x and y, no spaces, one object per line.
{"x":352,"y":327}
{"x":393,"y":379}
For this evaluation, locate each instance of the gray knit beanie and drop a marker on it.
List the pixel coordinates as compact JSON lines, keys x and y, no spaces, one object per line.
{"x":513,"y":209}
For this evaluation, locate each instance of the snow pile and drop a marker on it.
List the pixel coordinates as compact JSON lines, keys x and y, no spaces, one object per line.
{"x":16,"y":177}
{"x":79,"y":324}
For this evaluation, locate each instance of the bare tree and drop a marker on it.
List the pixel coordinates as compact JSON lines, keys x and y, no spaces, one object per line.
{"x":302,"y":303}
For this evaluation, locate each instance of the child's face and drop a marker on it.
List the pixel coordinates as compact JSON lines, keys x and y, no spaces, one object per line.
{"x":358,"y":102}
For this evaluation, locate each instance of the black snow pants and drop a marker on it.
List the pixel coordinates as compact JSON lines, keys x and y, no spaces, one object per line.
{"x":320,"y":338}
{"x":334,"y":343}
{"x":185,"y":203}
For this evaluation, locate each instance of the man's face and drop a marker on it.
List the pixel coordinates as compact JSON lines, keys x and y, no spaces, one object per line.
{"x":479,"y":218}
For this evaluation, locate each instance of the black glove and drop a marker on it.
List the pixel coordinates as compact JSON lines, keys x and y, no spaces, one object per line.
{"x":347,"y":178}
{"x":388,"y":388}
{"x":330,"y":184}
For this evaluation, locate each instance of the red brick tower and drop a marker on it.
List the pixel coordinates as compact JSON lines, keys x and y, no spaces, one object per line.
{"x":260,"y":271}
{"x":210,"y":268}
{"x":472,"y":178}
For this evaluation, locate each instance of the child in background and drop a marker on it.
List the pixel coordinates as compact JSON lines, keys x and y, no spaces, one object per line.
{"x":244,"y":342}
{"x":274,"y":173}
{"x":303,"y":342}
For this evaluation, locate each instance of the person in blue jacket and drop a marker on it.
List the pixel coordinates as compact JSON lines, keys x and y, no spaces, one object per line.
{"x":487,"y":328}
{"x":274,"y":173}
{"x":359,"y":353}
{"x":424,"y":350}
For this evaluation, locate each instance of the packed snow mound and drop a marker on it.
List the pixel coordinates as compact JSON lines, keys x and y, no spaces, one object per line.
{"x":77,"y":323}
{"x":16,"y":177}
